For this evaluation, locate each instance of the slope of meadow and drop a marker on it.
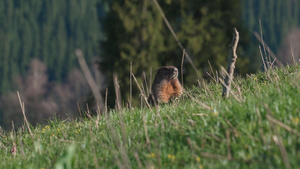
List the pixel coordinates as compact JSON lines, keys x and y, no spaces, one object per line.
{"x":257,"y":127}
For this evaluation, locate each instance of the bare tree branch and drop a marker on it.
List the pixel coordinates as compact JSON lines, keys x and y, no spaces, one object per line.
{"x":23,"y":111}
{"x":231,"y":63}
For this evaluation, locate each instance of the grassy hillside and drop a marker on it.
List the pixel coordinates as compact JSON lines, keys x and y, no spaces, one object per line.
{"x":257,"y":127}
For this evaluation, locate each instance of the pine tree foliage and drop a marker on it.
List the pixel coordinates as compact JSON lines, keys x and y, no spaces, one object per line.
{"x":278,"y":18}
{"x":135,"y":32}
{"x":47,"y":30}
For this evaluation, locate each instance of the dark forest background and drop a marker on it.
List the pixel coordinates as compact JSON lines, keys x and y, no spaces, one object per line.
{"x":38,"y":40}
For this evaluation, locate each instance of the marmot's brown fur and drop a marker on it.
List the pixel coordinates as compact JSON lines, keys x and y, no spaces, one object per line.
{"x":165,"y":85}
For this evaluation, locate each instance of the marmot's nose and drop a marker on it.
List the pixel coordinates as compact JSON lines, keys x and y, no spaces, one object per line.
{"x":175,"y":69}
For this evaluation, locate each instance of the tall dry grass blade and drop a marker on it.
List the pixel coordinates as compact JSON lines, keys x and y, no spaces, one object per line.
{"x":13,"y":151}
{"x":124,"y":136}
{"x":87,"y":112}
{"x":146,"y":133}
{"x":238,"y":90}
{"x":130,"y":89}
{"x":199,"y":83}
{"x":182,"y":67}
{"x":99,"y":112}
{"x":261,"y":37}
{"x":150,"y":79}
{"x":189,"y":141}
{"x":262,"y":135}
{"x":157,"y":153}
{"x":207,"y":91}
{"x":231,"y":92}
{"x":97,"y":73}
{"x":93,"y":148}
{"x":120,"y":146}
{"x":271,"y":53}
{"x":283,"y":151}
{"x":266,"y":66}
{"x":215,"y":137}
{"x":105,"y":108}
{"x":279,"y":123}
{"x":141,"y":103}
{"x":293,"y":56}
{"x":197,"y":101}
{"x":1,"y":132}
{"x":23,"y":112}
{"x":78,"y":107}
{"x":1,"y":143}
{"x":118,"y":93}
{"x":98,"y":117}
{"x":137,"y":157}
{"x":143,"y":89}
{"x":172,"y":121}
{"x":175,"y":36}
{"x":263,"y":60}
{"x":89,"y":78}
{"x":158,"y":114}
{"x":269,"y":59}
{"x":212,"y":71}
{"x":142,"y":94}
{"x":13,"y":138}
{"x":272,"y":64}
{"x":146,"y":85}
{"x":22,"y":147}
{"x":214,"y":156}
{"x":229,"y":124}
{"x":229,"y":156}
{"x":70,"y":141}
{"x":13,"y":126}
{"x":211,"y":77}
{"x":231,"y":63}
{"x":277,"y":139}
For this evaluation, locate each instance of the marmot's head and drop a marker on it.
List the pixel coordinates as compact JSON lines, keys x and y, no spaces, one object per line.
{"x":167,"y":72}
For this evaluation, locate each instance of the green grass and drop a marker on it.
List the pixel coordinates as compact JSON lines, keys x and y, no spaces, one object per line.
{"x":183,"y":134}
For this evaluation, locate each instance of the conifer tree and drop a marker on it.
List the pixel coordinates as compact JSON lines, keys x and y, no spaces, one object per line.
{"x":135,"y":32}
{"x":278,"y":18}
{"x":48,"y":30}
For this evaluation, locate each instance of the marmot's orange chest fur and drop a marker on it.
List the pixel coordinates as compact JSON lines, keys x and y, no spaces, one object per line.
{"x":165,"y":85}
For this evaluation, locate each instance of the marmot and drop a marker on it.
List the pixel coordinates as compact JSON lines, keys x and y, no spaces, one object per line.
{"x":165,"y":85}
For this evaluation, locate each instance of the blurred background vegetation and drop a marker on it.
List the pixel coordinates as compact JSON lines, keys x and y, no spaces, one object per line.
{"x":38,"y":39}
